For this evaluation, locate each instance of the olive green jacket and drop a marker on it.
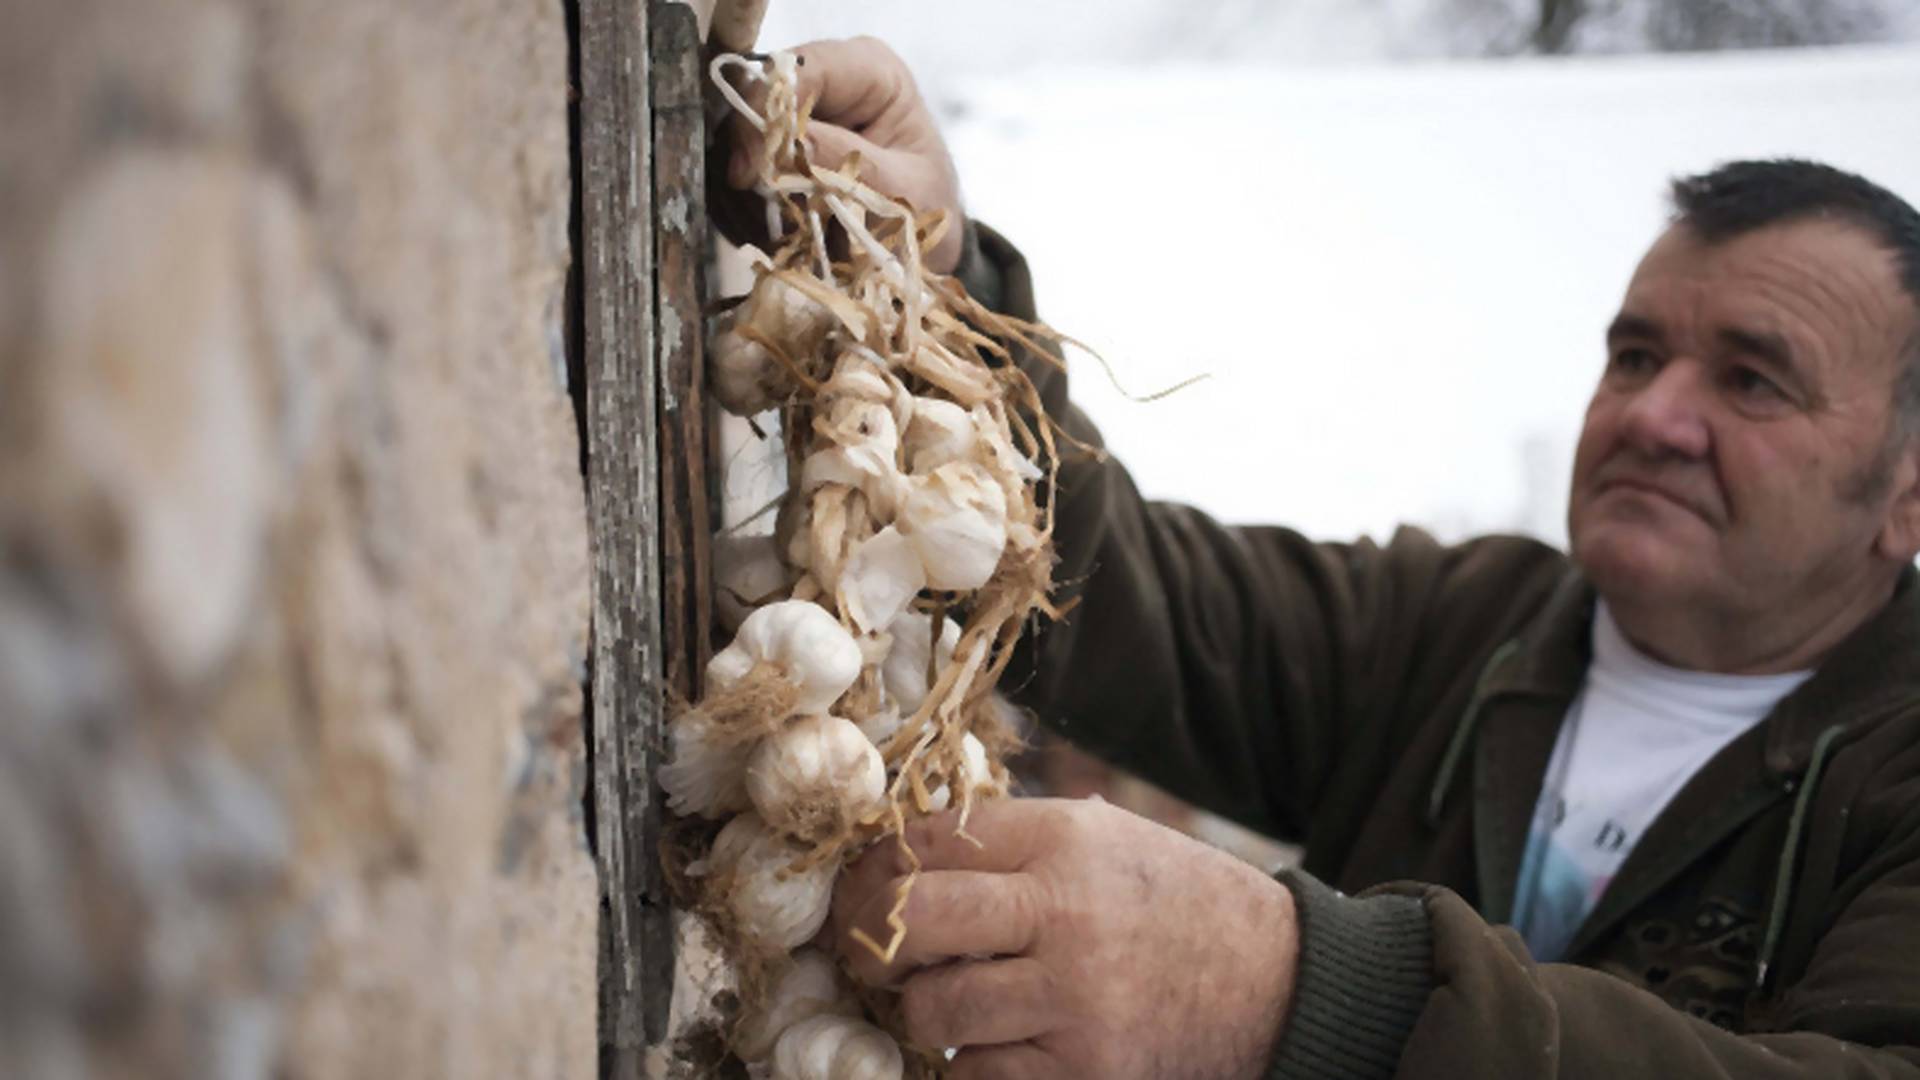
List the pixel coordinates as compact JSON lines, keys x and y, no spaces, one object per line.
{"x":1393,"y":708}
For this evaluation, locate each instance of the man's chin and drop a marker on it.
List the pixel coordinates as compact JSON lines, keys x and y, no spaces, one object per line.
{"x":1628,"y":564}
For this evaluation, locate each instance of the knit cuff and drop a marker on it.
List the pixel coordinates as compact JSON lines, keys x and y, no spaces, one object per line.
{"x":978,"y":274}
{"x":1365,"y":972}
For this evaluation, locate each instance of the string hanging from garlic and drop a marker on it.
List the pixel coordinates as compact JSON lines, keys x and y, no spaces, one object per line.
{"x":912,"y":546}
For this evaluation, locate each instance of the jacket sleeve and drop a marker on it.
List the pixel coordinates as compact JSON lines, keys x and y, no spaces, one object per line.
{"x":1241,"y":668}
{"x":1409,"y":981}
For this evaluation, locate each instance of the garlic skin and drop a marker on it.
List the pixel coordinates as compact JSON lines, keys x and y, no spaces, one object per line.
{"x":745,"y":569}
{"x":880,"y":726}
{"x":999,"y":445}
{"x":975,"y":773}
{"x":804,"y":640}
{"x":858,"y":373}
{"x":772,"y":904}
{"x":810,"y":988}
{"x":814,"y":775}
{"x":939,"y":432}
{"x":880,"y":579}
{"x":745,"y":378}
{"x":704,"y":776}
{"x":904,"y":673}
{"x":956,"y":518}
{"x":836,"y":1048}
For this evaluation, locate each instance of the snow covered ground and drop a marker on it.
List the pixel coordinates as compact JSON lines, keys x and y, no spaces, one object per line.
{"x":1396,"y":274}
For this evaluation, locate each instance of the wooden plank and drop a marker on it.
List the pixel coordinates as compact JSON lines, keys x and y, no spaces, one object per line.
{"x":679,"y":173}
{"x":623,"y":505}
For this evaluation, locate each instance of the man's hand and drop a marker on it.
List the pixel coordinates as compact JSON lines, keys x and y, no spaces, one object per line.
{"x":1077,"y":941}
{"x":866,"y":101}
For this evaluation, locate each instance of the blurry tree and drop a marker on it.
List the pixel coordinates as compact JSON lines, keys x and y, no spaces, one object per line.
{"x":1508,"y":27}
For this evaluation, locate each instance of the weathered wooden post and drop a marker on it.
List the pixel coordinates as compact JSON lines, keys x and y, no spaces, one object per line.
{"x":643,"y":242}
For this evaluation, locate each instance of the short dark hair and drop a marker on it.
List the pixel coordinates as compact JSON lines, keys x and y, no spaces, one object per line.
{"x":1741,"y":196}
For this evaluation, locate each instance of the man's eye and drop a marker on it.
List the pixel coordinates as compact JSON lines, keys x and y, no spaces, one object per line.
{"x":1631,"y":361}
{"x":1749,"y":383}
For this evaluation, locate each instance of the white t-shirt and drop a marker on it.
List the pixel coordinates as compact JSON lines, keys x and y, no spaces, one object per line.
{"x":1637,"y":731}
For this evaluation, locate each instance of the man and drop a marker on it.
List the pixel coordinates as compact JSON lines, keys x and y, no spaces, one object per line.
{"x":1651,"y":808}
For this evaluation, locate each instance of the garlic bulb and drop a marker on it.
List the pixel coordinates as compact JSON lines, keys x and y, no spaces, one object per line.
{"x":815,"y":776}
{"x":804,"y":640}
{"x":956,"y":518}
{"x":905,"y":670}
{"x":811,"y":987}
{"x":746,"y":378}
{"x":939,"y":432}
{"x":705,"y":774}
{"x":880,"y":579}
{"x":836,"y":1048}
{"x":772,"y":904}
{"x":746,"y":569}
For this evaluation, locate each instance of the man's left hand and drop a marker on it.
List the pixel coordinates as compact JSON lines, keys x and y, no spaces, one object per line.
{"x":1077,"y":940}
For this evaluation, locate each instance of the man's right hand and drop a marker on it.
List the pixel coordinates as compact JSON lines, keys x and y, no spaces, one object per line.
{"x":865,"y":101}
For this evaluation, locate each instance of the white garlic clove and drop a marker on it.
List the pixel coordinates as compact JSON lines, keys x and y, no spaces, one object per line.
{"x":773,"y":905}
{"x":704,"y":776}
{"x":905,"y":671}
{"x":956,"y":518}
{"x":814,"y":776}
{"x":811,"y":987}
{"x":836,"y":1048}
{"x":939,"y":432}
{"x":803,"y":640}
{"x":880,"y":579}
{"x":729,"y":666}
{"x":746,"y":570}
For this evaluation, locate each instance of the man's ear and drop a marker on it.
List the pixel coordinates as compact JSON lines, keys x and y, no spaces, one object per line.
{"x":1899,"y":539}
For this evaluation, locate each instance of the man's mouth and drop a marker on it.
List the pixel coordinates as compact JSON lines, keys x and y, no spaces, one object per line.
{"x":1648,"y":487}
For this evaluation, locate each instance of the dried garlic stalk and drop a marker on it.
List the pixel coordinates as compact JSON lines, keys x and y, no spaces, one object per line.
{"x":912,"y":549}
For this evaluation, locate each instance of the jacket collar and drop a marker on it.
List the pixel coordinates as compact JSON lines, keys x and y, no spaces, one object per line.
{"x":1870,"y":675}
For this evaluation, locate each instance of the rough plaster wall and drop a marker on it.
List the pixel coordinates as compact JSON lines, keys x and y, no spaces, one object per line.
{"x":293,"y":564}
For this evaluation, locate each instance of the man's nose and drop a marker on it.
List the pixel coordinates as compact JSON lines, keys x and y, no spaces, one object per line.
{"x":1666,"y":415}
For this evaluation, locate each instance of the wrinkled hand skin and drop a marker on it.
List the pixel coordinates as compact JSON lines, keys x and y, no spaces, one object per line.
{"x":867,"y":102}
{"x":1077,"y":940}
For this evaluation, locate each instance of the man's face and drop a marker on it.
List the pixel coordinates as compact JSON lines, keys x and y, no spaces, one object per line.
{"x":1737,"y":452}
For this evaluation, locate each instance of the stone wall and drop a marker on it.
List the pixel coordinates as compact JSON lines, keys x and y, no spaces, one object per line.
{"x":293,"y":561}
